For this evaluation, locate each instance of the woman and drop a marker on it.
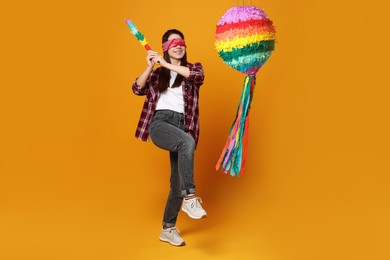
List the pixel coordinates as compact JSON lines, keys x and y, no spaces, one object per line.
{"x":170,"y":116}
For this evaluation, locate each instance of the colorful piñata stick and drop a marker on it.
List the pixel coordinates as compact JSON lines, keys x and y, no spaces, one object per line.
{"x":138,"y":34}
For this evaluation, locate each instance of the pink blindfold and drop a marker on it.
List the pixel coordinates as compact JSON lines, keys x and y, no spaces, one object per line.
{"x":173,"y":43}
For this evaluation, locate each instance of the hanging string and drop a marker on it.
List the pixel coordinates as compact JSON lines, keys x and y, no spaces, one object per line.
{"x":251,"y":3}
{"x":244,"y":3}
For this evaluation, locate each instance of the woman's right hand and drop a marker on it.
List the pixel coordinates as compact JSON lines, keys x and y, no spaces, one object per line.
{"x":149,"y":58}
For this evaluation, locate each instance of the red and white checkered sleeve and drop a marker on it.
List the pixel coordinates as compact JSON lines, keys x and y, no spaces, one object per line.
{"x":196,"y":73}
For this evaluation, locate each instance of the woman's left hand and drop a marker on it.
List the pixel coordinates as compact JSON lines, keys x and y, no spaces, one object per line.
{"x":160,"y":60}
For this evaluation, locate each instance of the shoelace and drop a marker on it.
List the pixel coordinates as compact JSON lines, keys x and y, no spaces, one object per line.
{"x":175,"y":232}
{"x":198,"y":201}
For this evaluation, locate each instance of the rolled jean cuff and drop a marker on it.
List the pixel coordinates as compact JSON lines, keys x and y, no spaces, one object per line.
{"x":168,"y":225}
{"x":187,"y":192}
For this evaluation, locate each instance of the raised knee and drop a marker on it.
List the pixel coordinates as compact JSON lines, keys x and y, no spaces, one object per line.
{"x":188,"y":144}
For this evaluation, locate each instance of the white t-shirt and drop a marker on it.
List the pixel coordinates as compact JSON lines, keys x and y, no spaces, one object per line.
{"x":171,"y":98}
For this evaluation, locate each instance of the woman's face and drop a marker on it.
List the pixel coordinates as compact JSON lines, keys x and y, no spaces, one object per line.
{"x":177,"y":52}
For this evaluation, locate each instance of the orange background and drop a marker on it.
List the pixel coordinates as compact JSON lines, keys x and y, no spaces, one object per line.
{"x":76,"y":184}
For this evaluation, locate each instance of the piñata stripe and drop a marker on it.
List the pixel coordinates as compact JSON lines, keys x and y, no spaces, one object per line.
{"x":240,"y":42}
{"x":242,"y":13}
{"x":262,"y":46}
{"x":252,"y":71}
{"x":250,"y":61}
{"x":244,"y":24}
{"x":231,"y":34}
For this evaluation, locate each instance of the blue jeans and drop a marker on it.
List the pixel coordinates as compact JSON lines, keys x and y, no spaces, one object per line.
{"x":167,"y":132}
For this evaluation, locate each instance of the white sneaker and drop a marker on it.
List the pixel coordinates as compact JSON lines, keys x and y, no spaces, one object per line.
{"x":171,"y":235}
{"x":193,"y":208}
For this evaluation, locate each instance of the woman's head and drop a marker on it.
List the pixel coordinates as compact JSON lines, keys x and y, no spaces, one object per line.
{"x":174,"y":50}
{"x":174,"y":46}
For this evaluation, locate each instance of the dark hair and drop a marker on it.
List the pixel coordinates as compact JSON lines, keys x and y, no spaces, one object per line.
{"x":165,"y":74}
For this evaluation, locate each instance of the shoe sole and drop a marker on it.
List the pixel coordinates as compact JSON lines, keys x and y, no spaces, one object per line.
{"x":167,"y":241}
{"x":192,"y":216}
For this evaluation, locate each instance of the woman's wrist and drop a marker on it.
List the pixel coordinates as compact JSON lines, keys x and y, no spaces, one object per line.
{"x":149,"y":68}
{"x":182,"y":70}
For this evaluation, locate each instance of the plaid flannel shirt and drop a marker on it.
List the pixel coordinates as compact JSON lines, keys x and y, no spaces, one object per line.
{"x":191,"y":101}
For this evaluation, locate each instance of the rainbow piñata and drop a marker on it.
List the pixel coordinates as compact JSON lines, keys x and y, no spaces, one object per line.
{"x":245,"y":39}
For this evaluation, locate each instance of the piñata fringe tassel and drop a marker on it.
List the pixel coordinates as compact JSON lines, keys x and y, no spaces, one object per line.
{"x":234,"y":153}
